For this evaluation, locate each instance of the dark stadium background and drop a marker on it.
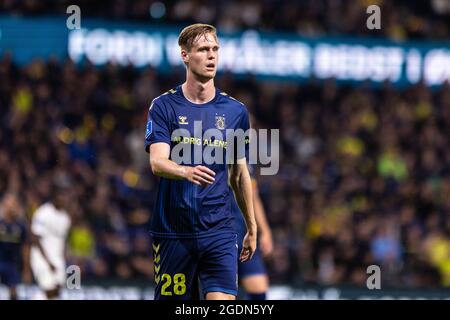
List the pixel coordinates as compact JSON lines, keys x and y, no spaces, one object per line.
{"x":364,"y":168}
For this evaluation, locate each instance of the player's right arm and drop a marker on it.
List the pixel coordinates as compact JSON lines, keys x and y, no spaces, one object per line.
{"x":162,"y":166}
{"x":157,"y":143}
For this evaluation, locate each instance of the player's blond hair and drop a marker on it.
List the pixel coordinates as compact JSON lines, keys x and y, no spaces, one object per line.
{"x":189,"y":34}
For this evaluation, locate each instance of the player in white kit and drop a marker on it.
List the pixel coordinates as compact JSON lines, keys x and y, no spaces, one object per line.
{"x":49,"y":229}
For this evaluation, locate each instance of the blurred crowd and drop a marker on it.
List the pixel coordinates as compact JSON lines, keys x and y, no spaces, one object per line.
{"x":364,"y":173}
{"x":400,"y":19}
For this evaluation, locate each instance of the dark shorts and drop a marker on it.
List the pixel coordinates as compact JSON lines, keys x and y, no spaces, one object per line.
{"x":9,"y":274}
{"x":252,"y":267}
{"x":182,"y":266}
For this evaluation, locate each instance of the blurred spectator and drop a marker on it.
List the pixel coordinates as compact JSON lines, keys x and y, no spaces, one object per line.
{"x":400,"y":20}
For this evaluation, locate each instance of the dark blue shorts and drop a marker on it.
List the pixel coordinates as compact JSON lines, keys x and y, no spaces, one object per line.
{"x":253,"y":266}
{"x":182,"y":266}
{"x":9,"y":274}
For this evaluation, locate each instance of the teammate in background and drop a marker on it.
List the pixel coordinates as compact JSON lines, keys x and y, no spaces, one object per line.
{"x":13,"y":244}
{"x":49,"y":229}
{"x":252,"y":274}
{"x":193,"y":226}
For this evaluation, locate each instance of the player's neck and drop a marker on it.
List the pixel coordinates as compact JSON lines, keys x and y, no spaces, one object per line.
{"x":57,"y":205}
{"x":198,"y":92}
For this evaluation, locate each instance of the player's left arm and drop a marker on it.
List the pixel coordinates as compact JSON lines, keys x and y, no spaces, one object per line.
{"x":241,"y":184}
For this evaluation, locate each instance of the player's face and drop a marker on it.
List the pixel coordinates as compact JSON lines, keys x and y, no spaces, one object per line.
{"x":203,"y":57}
{"x":11,"y":206}
{"x":61,"y":199}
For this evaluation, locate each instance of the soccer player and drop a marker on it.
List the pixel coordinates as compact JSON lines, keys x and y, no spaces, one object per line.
{"x":252,"y":274}
{"x":13,"y":244}
{"x":49,"y":228}
{"x":193,"y":228}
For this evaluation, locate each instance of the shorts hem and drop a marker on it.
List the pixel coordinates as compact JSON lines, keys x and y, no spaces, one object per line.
{"x":219,"y":289}
{"x":256,"y":273}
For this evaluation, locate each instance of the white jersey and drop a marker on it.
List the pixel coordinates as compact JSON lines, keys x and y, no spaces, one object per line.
{"x":51,"y":226}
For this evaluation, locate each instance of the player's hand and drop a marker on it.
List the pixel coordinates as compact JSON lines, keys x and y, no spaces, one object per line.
{"x":200,"y":175}
{"x":266,"y":243}
{"x":248,"y":246}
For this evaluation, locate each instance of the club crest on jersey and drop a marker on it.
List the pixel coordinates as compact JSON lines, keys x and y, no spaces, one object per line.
{"x":182,"y":120}
{"x":220,"y":122}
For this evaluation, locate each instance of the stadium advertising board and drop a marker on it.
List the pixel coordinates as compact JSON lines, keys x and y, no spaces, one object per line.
{"x":285,"y":56}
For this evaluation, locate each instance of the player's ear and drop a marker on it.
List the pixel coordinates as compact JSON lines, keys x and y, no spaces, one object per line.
{"x":184,"y":55}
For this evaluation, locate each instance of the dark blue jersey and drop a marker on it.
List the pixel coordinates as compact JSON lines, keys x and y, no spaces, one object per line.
{"x":184,"y":209}
{"x":12,"y":237}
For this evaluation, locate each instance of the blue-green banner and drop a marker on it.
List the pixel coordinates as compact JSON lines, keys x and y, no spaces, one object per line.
{"x":274,"y":55}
